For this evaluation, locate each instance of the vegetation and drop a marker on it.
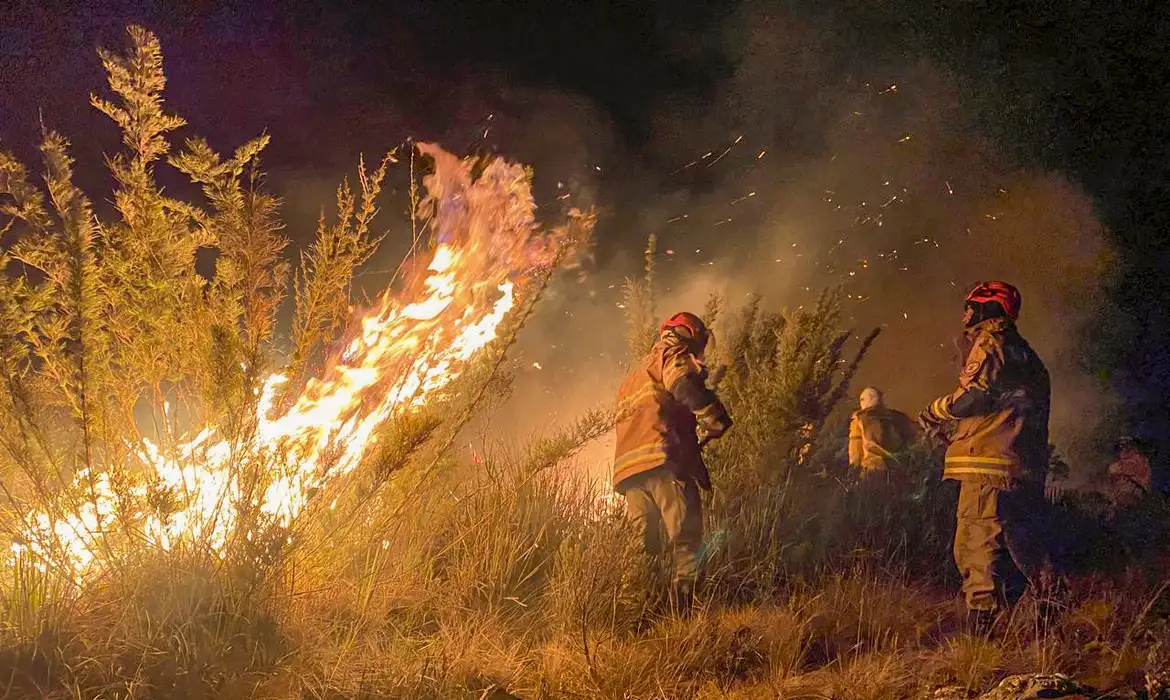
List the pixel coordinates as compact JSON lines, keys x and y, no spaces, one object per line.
{"x":419,"y":576}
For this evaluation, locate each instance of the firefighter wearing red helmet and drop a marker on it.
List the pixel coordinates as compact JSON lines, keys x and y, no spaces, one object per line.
{"x":996,"y":423}
{"x":658,"y":461}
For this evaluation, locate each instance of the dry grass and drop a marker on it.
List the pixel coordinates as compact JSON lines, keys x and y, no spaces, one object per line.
{"x":504,"y":586}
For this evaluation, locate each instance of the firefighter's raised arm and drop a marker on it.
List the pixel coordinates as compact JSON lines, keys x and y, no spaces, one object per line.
{"x":685,"y":378}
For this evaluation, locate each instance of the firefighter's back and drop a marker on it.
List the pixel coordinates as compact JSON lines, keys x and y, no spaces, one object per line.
{"x":653,"y":427}
{"x":887,"y":427}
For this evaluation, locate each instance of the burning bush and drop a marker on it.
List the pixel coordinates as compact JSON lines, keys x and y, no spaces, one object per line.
{"x":140,"y":408}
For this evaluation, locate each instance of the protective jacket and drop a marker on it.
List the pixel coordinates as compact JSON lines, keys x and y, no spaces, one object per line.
{"x":1000,"y":410}
{"x":877,"y":435}
{"x":660,"y":405}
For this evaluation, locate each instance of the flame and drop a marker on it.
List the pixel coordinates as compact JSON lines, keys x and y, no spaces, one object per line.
{"x":404,"y":351}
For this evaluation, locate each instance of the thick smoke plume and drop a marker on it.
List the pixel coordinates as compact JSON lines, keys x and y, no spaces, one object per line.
{"x":806,"y":163}
{"x":798,"y":174}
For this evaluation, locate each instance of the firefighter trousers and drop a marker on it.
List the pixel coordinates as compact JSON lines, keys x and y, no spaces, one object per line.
{"x":660,"y":503}
{"x":1001,"y":543}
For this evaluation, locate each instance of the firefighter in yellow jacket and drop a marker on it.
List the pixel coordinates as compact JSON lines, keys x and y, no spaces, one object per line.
{"x":658,"y":461}
{"x":878,"y":434}
{"x":996,"y":424}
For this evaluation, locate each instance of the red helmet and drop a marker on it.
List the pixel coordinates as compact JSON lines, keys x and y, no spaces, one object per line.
{"x":692,"y":325}
{"x":1007,"y":296}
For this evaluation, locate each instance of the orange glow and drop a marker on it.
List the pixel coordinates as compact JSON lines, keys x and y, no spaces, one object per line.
{"x":404,"y":351}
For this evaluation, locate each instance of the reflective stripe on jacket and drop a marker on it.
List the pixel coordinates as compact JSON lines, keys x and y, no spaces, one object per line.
{"x":654,"y":428}
{"x":877,"y":435}
{"x":1000,"y":410}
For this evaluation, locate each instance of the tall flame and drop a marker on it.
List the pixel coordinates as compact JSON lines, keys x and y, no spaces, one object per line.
{"x":403,"y":351}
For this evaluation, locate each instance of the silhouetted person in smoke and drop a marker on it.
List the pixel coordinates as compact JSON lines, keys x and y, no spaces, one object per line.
{"x":878,"y":435}
{"x":997,"y":427}
{"x":658,"y":461}
{"x":1129,"y":474}
{"x":1133,"y":517}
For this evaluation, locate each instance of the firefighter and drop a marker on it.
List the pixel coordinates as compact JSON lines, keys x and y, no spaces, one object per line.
{"x":658,"y":461}
{"x":996,"y":423}
{"x":878,"y":434}
{"x":1135,"y":526}
{"x":1129,"y":474}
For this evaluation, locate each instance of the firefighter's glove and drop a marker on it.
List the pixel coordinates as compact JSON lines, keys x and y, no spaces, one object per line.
{"x":934,"y":428}
{"x":930,"y":423}
{"x":713,"y":420}
{"x":937,"y":413}
{"x":690,"y":389}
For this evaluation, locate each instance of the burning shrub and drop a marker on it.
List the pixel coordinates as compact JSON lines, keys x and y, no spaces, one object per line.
{"x":110,"y":327}
{"x":143,"y":424}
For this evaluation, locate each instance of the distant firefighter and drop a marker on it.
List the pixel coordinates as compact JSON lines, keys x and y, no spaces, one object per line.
{"x":658,"y":462}
{"x":997,"y":426}
{"x":878,"y":434}
{"x":1129,"y":475}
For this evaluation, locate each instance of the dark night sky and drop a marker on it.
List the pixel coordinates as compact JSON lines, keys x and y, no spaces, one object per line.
{"x":1079,"y":88}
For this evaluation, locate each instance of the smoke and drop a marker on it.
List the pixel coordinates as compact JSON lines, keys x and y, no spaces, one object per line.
{"x":805,"y":165}
{"x":802,"y":171}
{"x":795,"y":161}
